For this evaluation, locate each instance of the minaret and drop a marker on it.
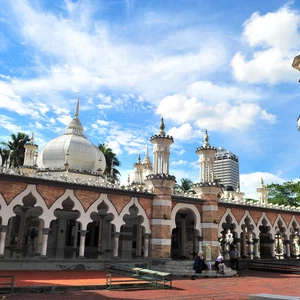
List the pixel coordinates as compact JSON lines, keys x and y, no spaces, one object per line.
{"x":30,"y":157}
{"x":30,"y":151}
{"x":161,"y":183}
{"x":208,"y":189}
{"x":262,"y":193}
{"x":138,"y":171}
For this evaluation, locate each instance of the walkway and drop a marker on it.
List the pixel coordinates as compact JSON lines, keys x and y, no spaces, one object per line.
{"x":234,"y":288}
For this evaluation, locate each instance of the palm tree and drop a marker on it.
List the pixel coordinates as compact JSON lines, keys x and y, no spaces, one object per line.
{"x":5,"y":154}
{"x":111,"y":161}
{"x":186,"y":186}
{"x":16,"y":148}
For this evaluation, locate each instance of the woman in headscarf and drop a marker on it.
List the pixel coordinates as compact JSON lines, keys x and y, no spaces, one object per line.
{"x":219,"y":265}
{"x":199,"y":263}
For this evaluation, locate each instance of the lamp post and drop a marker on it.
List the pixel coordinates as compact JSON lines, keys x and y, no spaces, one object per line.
{"x":296,"y":65}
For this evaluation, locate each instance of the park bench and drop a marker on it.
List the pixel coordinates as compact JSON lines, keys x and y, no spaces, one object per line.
{"x":7,"y":284}
{"x":136,"y":275}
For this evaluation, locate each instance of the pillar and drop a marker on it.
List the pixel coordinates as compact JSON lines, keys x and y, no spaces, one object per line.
{"x":82,"y":243}
{"x":146,"y":245}
{"x":116,"y":236}
{"x":3,"y":230}
{"x":22,"y":228}
{"x":139,"y":238}
{"x":256,"y":250}
{"x":272,"y":248}
{"x":100,"y":235}
{"x":183,"y":235}
{"x":287,"y":249}
{"x":45,"y":242}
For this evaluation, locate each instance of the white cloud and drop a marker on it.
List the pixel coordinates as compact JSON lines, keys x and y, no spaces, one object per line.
{"x":250,"y":182}
{"x":275,"y":39}
{"x":219,"y":115}
{"x":184,"y":133}
{"x":179,"y":163}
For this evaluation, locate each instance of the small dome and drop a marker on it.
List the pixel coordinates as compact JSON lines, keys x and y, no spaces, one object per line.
{"x":82,"y":154}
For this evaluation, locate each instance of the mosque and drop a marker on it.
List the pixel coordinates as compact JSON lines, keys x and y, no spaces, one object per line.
{"x":59,"y":211}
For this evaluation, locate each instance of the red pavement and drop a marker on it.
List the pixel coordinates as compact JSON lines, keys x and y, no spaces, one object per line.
{"x":234,"y":288}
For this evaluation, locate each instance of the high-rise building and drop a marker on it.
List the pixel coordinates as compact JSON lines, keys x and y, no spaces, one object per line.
{"x":226,"y":168}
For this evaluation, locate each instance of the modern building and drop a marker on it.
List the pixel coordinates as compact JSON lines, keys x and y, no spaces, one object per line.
{"x":226,"y":168}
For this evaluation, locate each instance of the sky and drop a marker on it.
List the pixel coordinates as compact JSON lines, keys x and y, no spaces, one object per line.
{"x":217,"y":65}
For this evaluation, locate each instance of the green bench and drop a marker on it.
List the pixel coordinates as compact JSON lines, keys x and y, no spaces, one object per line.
{"x":152,"y":277}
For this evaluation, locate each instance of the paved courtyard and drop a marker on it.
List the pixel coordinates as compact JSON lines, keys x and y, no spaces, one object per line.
{"x":235,"y":288}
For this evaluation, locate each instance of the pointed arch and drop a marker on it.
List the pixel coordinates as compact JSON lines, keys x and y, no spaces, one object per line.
{"x":279,"y":218}
{"x":18,"y":200}
{"x":264,"y":216}
{"x":125,"y":210}
{"x":290,"y":226}
{"x":252,"y":222}
{"x":77,"y":206}
{"x":228,"y":212}
{"x":111,"y":209}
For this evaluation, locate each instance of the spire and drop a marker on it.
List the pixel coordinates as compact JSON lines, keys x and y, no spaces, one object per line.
{"x":75,"y":126}
{"x":162,"y":127}
{"x":77,"y":108}
{"x":139,"y":159}
{"x":206,"y":139}
{"x":32,"y":139}
{"x":262,"y":183}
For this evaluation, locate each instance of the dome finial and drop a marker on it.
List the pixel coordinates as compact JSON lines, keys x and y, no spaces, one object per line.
{"x":262,"y":183}
{"x":77,"y":108}
{"x":32,"y":139}
{"x":206,"y":139}
{"x":162,"y":126}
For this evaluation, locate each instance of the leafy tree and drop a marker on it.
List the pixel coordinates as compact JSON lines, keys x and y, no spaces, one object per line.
{"x":16,"y":148}
{"x":4,"y":154}
{"x":287,"y":193}
{"x":111,"y":160}
{"x":185,"y":186}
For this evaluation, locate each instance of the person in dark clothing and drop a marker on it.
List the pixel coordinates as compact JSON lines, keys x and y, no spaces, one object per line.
{"x":234,"y":258}
{"x":199,"y":264}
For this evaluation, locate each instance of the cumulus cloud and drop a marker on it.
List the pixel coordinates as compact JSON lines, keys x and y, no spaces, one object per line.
{"x":184,"y":133}
{"x":213,"y":107}
{"x":250,"y":182}
{"x":275,"y":40}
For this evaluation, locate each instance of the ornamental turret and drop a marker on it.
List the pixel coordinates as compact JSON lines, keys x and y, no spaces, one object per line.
{"x":262,"y":193}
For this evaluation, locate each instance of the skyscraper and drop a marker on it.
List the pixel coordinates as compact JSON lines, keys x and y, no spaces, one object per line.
{"x":226,"y":168}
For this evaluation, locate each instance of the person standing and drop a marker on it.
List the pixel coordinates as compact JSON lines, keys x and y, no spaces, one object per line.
{"x":234,"y":258}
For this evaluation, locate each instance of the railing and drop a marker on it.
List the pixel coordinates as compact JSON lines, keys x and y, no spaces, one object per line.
{"x":272,"y":266}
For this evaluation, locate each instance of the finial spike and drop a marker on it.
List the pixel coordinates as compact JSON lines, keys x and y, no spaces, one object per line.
{"x":162,"y":126}
{"x":77,"y":108}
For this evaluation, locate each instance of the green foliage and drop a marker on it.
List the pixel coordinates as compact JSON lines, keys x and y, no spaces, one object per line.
{"x":186,"y":186}
{"x":4,"y":154}
{"x":287,"y":193}
{"x":111,"y":160}
{"x":250,"y":199}
{"x":16,"y":148}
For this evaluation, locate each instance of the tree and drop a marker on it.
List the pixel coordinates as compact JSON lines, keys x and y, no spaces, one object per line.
{"x":186,"y":186}
{"x":287,"y":193}
{"x":4,"y":154}
{"x":111,"y":161}
{"x":16,"y":148}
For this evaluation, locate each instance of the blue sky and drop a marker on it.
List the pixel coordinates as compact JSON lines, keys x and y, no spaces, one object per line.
{"x":224,"y":66}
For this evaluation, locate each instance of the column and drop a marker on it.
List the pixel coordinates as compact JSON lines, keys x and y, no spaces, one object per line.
{"x":183,"y":235}
{"x":116,"y":245}
{"x":100,"y":235}
{"x":45,"y":242}
{"x":82,"y":243}
{"x":75,"y":228}
{"x":39,"y":238}
{"x":200,"y":243}
{"x":287,"y":249}
{"x":250,"y":246}
{"x":3,"y":229}
{"x":22,"y":228}
{"x":146,"y":245}
{"x":272,"y":249}
{"x":244,"y":254}
{"x":238,"y":245}
{"x":256,"y":251}
{"x":139,"y":238}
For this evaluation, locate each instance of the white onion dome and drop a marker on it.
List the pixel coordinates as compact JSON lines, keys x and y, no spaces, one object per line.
{"x":72,"y":148}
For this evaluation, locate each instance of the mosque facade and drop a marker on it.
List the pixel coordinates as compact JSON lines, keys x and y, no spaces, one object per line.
{"x":59,"y":209}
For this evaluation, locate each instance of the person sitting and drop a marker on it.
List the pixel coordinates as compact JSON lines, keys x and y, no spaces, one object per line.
{"x":199,"y":264}
{"x":234,"y":258}
{"x":219,"y":265}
